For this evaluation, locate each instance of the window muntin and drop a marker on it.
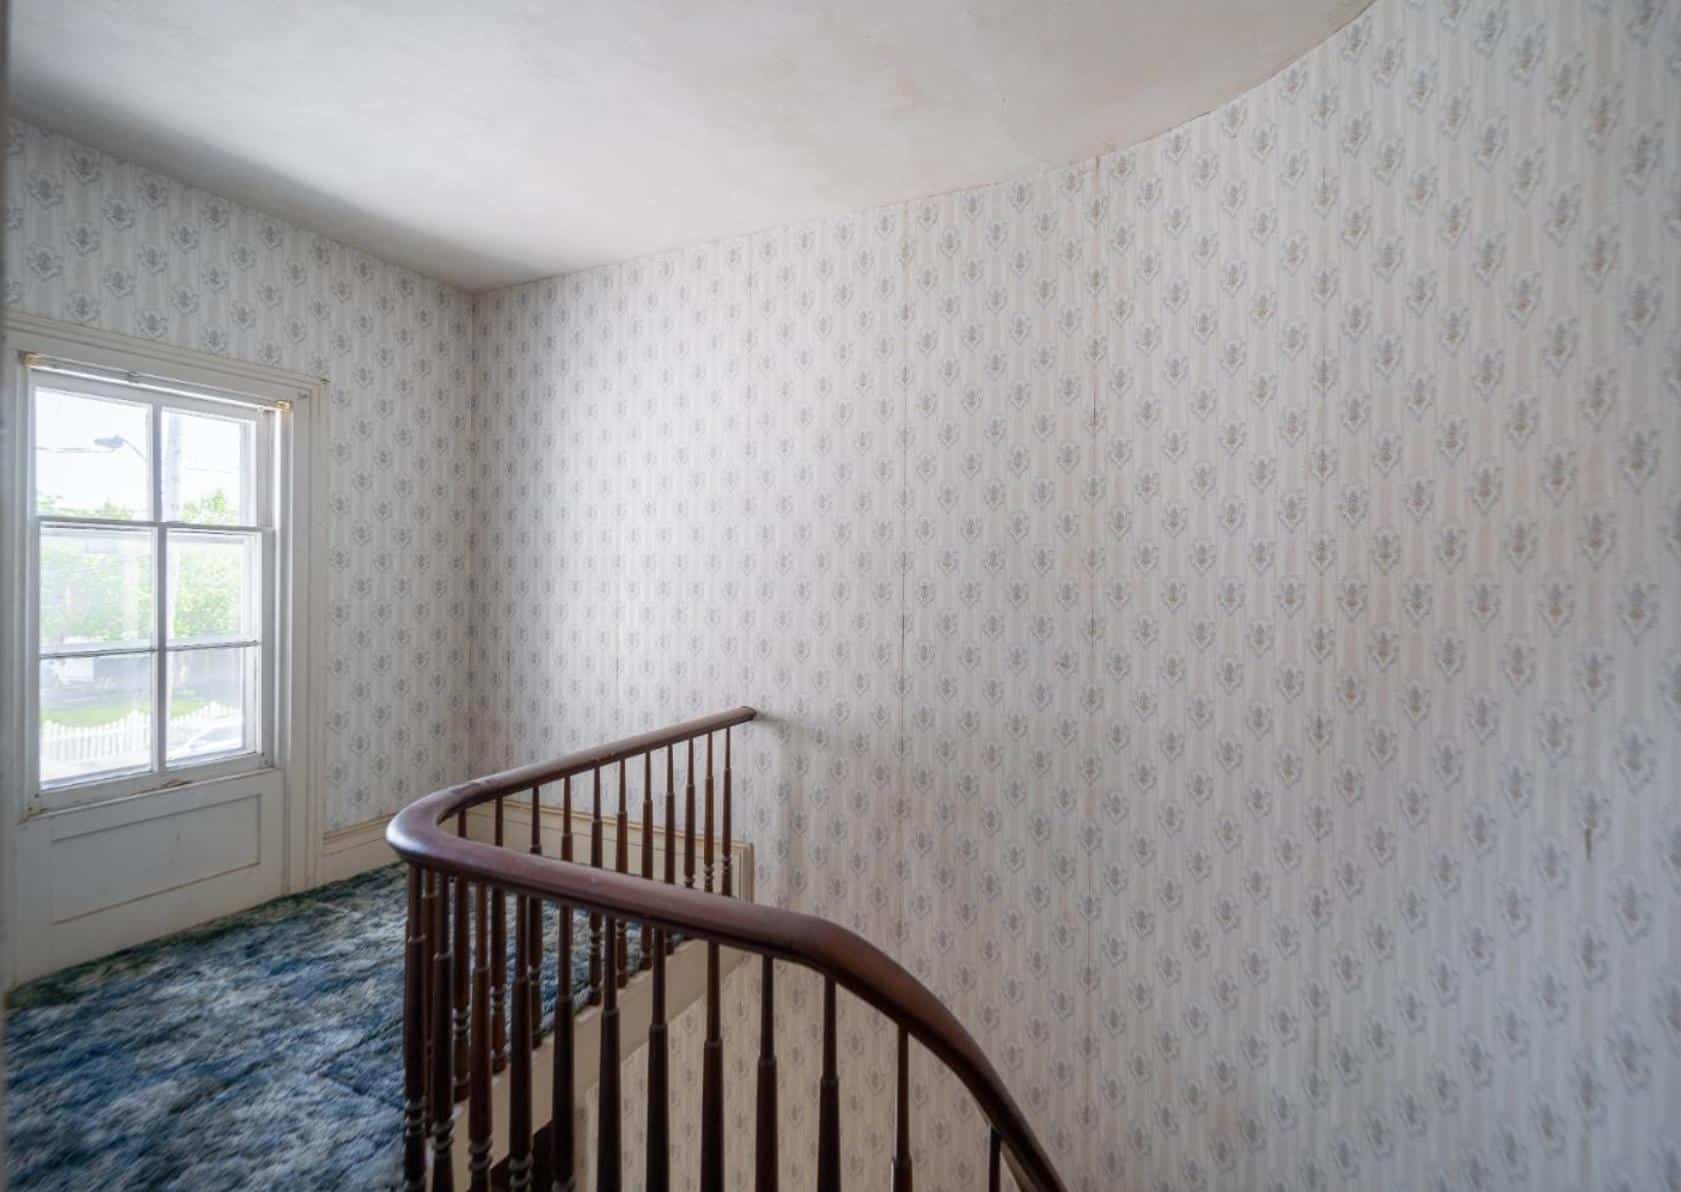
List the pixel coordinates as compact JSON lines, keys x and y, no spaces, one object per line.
{"x":153,"y":575}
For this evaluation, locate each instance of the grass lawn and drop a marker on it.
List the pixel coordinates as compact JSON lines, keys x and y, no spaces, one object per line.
{"x":96,"y":714}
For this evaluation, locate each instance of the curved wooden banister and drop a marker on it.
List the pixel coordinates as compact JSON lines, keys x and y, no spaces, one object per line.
{"x":521,"y":779}
{"x":419,"y":835}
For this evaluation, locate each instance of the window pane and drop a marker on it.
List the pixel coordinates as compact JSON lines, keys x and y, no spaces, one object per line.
{"x":96,"y":716}
{"x":92,"y":456}
{"x":212,"y":703}
{"x":214,"y":587}
{"x":96,"y":588}
{"x":207,"y":469}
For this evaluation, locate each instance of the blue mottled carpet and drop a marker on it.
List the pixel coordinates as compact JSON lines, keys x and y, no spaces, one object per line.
{"x":261,"y":1051}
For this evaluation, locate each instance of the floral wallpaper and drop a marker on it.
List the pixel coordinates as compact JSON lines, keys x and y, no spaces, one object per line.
{"x":1212,"y":607}
{"x":91,"y":239}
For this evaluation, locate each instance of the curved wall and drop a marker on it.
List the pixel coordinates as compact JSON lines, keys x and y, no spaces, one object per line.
{"x":1214,"y":608}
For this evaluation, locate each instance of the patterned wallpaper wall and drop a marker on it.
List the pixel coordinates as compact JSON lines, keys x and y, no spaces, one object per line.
{"x":95,"y":240}
{"x":1213,"y":607}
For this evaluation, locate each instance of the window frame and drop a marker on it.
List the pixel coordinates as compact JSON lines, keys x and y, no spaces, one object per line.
{"x":158,"y":395}
{"x":296,"y":740}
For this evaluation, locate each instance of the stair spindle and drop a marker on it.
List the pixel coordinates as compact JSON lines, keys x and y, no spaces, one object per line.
{"x":536,"y":963}
{"x":519,"y":1054}
{"x":902,"y":1134}
{"x":670,"y":818}
{"x":443,"y":1172}
{"x":658,"y":1173}
{"x":562,"y":1140}
{"x":994,"y":1163}
{"x":414,"y":1042}
{"x":689,"y":819}
{"x":498,"y":966}
{"x":728,"y":807}
{"x":765,"y":1156}
{"x":828,"y":1102}
{"x":609,"y":1157}
{"x":562,"y":1147}
{"x":724,"y":839}
{"x":619,"y":937}
{"x":712,"y":1084}
{"x":428,"y":923}
{"x":708,"y":856}
{"x":478,"y":1108}
{"x":667,"y":937}
{"x":647,"y":843}
{"x":566,"y":819}
{"x":463,"y":988}
{"x":595,"y":919}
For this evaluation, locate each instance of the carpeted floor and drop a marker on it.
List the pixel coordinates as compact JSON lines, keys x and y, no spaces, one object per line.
{"x":261,"y":1051}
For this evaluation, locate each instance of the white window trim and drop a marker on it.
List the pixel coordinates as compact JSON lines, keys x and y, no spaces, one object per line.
{"x":160,"y":774}
{"x":298,"y":589}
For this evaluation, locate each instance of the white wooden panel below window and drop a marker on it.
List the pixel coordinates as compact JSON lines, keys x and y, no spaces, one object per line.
{"x":119,"y":873}
{"x":106,"y":868}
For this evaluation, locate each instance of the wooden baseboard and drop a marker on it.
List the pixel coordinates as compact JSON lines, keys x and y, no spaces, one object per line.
{"x":353,"y":850}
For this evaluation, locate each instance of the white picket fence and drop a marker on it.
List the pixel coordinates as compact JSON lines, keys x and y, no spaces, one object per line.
{"x":69,"y":749}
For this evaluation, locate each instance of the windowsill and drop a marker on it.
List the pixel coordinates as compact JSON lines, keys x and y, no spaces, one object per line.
{"x":55,"y":800}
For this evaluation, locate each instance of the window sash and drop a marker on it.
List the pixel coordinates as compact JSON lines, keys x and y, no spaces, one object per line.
{"x":160,"y":397}
{"x":117,"y":523}
{"x":233,"y":643}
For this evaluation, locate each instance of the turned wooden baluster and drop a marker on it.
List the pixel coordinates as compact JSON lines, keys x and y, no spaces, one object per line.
{"x":689,"y":818}
{"x":647,"y":845}
{"x":414,"y":1040}
{"x":994,"y":1163}
{"x":765,"y":1157}
{"x":670,"y":820}
{"x":478,"y":1108}
{"x":712,"y":1083}
{"x":708,"y":856}
{"x":498,"y":966}
{"x":536,"y":904}
{"x":902,"y":1136}
{"x":566,"y":819}
{"x":519,"y":1054}
{"x":443,"y":1172}
{"x":562,"y":1147}
{"x":428,"y":915}
{"x":595,"y":919}
{"x":608,"y":1177}
{"x":463,"y":989}
{"x":828,"y":1102}
{"x":724,"y":838}
{"x":620,"y":937}
{"x":669,"y":939}
{"x":658,"y":1173}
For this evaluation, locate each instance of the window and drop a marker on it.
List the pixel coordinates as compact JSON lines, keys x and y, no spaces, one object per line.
{"x":154,"y":581}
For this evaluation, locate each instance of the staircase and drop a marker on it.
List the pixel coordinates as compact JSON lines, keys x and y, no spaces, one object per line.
{"x":470,"y":1014}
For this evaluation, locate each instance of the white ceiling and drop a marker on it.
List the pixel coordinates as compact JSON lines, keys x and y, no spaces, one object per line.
{"x":491,"y":141}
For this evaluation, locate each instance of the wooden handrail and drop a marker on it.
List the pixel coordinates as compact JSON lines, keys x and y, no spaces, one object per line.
{"x":521,"y":779}
{"x":854,"y":964}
